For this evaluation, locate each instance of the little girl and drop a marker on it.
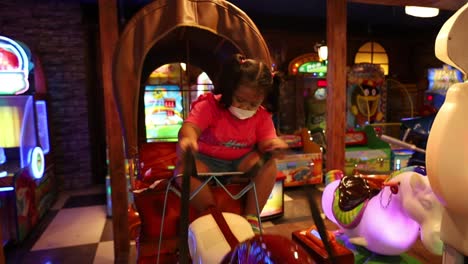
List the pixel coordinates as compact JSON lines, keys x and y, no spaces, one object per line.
{"x":230,"y":130}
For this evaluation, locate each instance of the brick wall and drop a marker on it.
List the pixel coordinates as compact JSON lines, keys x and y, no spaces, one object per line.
{"x":54,"y":30}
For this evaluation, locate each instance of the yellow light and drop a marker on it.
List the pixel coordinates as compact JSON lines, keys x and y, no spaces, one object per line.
{"x":10,"y":118}
{"x":419,"y":11}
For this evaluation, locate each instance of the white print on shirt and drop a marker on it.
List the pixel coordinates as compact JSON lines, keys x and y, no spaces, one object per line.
{"x":234,"y":144}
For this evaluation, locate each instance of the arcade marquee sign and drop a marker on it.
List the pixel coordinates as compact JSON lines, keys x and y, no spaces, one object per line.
{"x":14,"y":67}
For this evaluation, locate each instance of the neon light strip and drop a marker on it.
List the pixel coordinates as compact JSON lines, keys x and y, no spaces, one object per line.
{"x":6,"y":189}
{"x":41,"y":110}
{"x":25,"y":161}
{"x":3,"y":174}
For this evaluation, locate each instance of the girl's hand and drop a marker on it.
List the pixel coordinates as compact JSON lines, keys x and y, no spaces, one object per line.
{"x":276,"y":147}
{"x":187,"y":143}
{"x":276,"y":144}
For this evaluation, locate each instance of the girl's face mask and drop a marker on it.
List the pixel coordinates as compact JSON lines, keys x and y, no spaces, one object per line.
{"x":241,"y":113}
{"x":245,"y":102}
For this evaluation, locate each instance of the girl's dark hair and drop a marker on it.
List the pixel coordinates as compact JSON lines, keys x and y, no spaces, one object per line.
{"x":238,"y":70}
{"x":271,"y":102}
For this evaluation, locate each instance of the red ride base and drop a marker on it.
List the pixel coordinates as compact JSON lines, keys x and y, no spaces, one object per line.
{"x":316,"y":249}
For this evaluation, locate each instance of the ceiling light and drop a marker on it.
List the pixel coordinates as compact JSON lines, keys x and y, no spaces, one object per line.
{"x":323,"y":52}
{"x":419,"y":11}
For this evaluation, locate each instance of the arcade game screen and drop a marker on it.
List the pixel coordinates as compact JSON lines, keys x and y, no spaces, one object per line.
{"x":440,"y":80}
{"x":163,"y":112}
{"x":167,"y":99}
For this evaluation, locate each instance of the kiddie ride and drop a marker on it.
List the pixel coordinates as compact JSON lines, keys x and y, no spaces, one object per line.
{"x":385,"y":214}
{"x":171,"y":231}
{"x":381,"y":213}
{"x":155,"y":36}
{"x":446,"y":146}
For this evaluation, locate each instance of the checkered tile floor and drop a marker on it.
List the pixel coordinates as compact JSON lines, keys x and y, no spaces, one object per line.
{"x":77,"y":230}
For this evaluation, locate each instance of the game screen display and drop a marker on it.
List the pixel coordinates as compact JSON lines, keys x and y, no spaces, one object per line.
{"x":440,"y":80}
{"x":163,"y":112}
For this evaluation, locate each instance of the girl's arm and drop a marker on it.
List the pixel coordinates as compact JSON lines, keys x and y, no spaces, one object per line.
{"x":272,"y":144}
{"x":188,"y":136}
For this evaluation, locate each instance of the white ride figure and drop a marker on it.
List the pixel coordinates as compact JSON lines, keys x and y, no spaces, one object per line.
{"x":447,"y":147}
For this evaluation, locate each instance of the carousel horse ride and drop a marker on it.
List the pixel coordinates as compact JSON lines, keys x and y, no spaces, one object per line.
{"x":221,"y":235}
{"x":385,"y":217}
{"x":158,"y":203}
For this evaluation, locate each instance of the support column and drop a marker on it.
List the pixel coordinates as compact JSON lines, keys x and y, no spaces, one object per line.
{"x":109,"y":34}
{"x":336,"y":78}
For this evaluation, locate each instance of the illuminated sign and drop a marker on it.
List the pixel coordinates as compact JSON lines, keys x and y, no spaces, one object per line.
{"x":316,"y":68}
{"x":14,"y":67}
{"x":322,"y":83}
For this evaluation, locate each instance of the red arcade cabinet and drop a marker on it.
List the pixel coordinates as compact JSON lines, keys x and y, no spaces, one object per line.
{"x":27,"y":182}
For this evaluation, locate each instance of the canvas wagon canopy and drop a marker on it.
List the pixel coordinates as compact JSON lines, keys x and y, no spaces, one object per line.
{"x":199,"y":32}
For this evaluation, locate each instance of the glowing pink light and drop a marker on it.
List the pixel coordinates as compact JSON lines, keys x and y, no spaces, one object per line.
{"x":387,"y":229}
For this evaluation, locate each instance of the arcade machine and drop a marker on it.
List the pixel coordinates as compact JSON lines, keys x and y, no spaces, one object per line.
{"x":164,"y":101}
{"x":416,"y":129}
{"x":27,"y":181}
{"x":310,"y":74}
{"x":166,"y":98}
{"x":307,"y":75}
{"x":366,"y":95}
{"x":365,"y":103}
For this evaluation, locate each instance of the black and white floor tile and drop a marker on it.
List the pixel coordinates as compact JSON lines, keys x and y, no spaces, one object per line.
{"x":77,"y":230}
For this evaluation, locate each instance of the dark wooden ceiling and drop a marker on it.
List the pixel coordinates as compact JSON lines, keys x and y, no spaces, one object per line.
{"x":310,"y":15}
{"x":307,"y":14}
{"x":362,"y":15}
{"x":452,"y":5}
{"x":271,"y":4}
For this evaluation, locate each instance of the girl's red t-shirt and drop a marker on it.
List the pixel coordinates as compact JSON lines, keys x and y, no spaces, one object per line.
{"x":223,"y":135}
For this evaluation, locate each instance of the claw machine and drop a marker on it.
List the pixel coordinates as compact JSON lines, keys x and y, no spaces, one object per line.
{"x":27,"y":181}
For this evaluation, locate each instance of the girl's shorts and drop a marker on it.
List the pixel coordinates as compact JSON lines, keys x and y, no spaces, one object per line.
{"x":219,"y":165}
